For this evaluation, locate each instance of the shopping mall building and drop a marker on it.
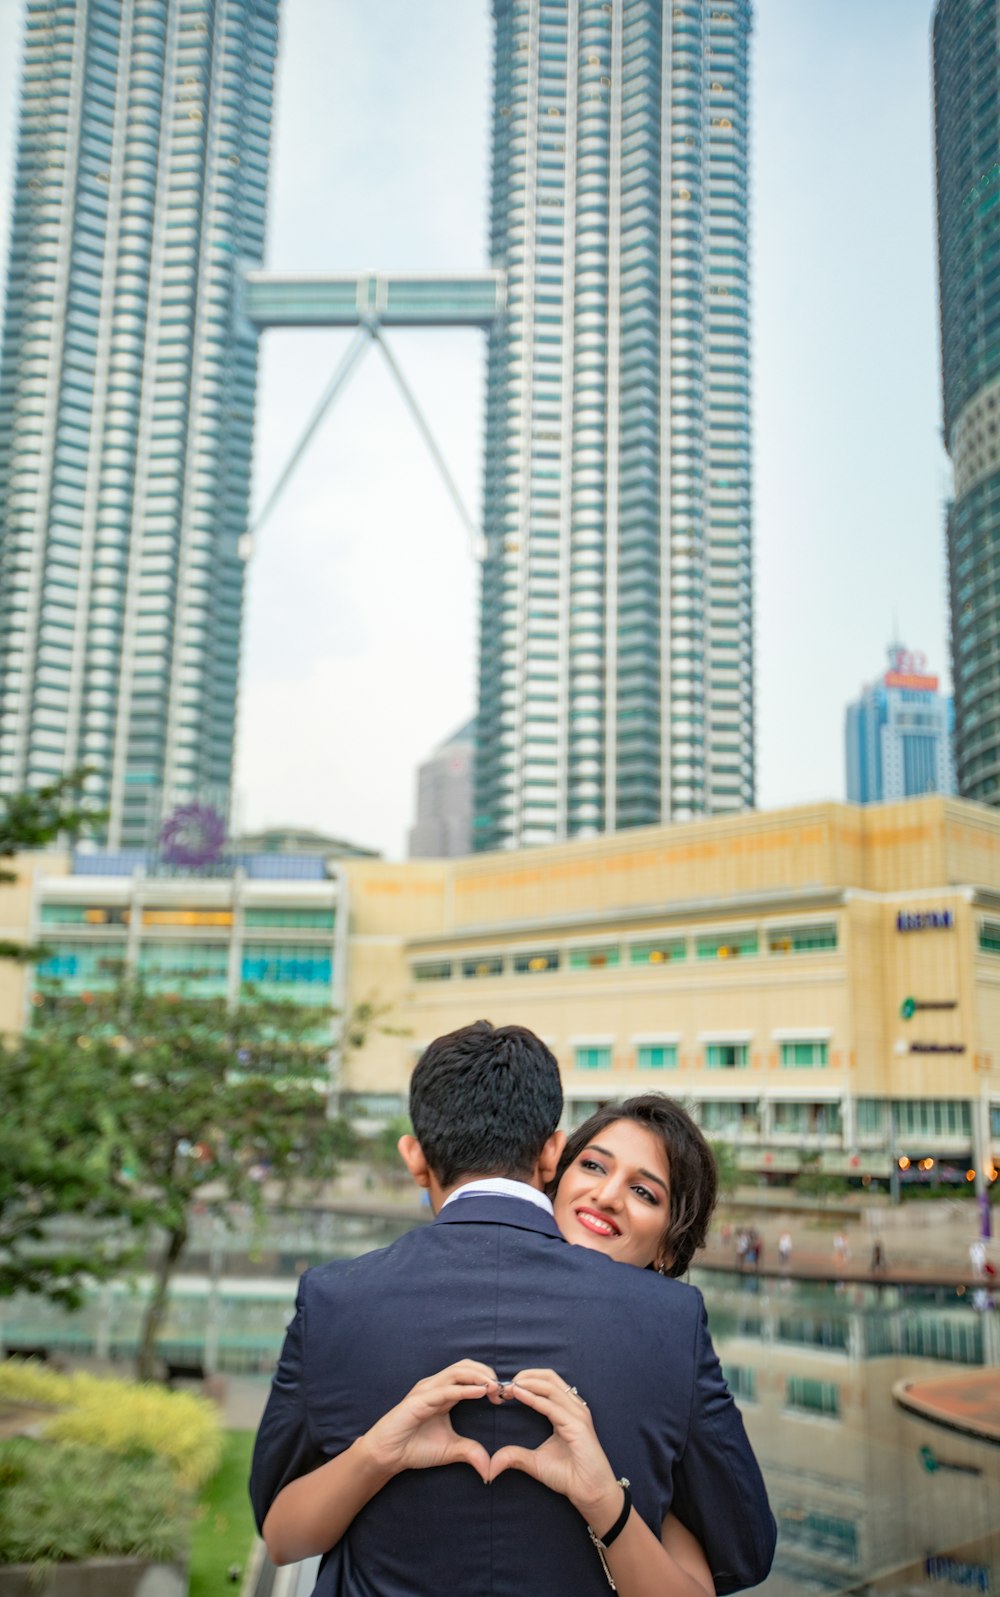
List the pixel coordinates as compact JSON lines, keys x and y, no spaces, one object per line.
{"x":821,"y":985}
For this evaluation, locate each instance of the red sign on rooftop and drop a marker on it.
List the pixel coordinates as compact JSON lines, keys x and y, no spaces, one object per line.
{"x":908,"y":669}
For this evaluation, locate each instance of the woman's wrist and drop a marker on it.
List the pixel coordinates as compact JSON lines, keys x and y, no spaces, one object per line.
{"x":371,"y":1462}
{"x":602,"y":1508}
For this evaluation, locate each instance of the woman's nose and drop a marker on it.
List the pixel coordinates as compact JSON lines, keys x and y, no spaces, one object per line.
{"x":609,"y":1192}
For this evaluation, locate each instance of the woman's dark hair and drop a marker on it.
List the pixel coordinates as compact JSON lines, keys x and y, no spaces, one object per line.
{"x":484,"y":1100}
{"x":690,"y":1164}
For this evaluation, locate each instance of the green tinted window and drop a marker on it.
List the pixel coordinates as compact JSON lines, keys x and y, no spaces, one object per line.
{"x":656,"y":1056}
{"x":801,"y":939}
{"x":432,"y":970}
{"x":489,"y":965}
{"x":806,"y":1055}
{"x":727,"y":1055}
{"x":661,"y":952}
{"x":593,"y":1058}
{"x":594,"y":958}
{"x":533,"y":964}
{"x":989,"y":936}
{"x":726,"y":945}
{"x":321,"y":919}
{"x":816,"y":1397}
{"x":741,"y":1380}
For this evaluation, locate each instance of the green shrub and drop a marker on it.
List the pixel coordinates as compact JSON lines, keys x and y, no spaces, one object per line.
{"x":139,"y":1421}
{"x":60,"y":1503}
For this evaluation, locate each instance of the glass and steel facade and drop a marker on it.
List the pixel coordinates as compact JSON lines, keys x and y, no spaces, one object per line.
{"x":126,"y":394}
{"x":967,"y":141}
{"x":616,"y":654}
{"x":898,"y":738}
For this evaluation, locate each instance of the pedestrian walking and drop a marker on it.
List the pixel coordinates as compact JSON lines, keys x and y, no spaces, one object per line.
{"x":784,"y":1248}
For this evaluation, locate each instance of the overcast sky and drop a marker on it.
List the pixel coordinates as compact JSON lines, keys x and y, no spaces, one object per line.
{"x":360,"y":638}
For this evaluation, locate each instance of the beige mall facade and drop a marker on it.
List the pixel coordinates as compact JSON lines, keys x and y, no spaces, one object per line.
{"x":821,"y":984}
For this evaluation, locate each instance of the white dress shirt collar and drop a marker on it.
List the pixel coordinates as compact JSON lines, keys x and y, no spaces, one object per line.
{"x":500,"y":1187}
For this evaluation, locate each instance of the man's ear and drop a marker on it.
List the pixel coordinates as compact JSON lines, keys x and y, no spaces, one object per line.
{"x":412,"y":1155}
{"x":548,"y":1159}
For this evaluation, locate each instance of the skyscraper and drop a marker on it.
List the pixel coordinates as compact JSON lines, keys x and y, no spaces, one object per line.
{"x":126,"y":395}
{"x":967,"y":143}
{"x":616,"y":644}
{"x":898,"y":735}
{"x":443,"y":826}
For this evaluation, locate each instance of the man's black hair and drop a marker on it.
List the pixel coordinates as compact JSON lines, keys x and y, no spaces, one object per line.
{"x":484,"y":1100}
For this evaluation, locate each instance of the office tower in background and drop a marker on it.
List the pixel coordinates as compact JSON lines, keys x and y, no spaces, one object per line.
{"x":616,"y":641}
{"x":898,"y":735}
{"x":127,"y":393}
{"x":443,"y":827}
{"x":967,"y":144}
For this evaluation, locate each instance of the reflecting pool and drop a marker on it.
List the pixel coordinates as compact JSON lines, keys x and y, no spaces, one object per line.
{"x":869,"y":1499}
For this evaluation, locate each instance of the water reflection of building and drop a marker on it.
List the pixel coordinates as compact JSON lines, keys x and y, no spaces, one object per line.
{"x":822,"y":984}
{"x":857,"y":1486}
{"x":852,"y":1486}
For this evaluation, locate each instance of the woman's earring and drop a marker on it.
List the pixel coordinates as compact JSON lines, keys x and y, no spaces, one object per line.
{"x":661,"y":1269}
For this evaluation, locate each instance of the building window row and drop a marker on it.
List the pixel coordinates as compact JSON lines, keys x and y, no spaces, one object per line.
{"x":655,"y":1054}
{"x":664,"y":950}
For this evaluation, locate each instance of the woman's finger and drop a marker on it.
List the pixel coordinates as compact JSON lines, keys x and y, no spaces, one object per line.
{"x":438,"y":1400}
{"x":463,"y":1369}
{"x":561,"y":1407}
{"x":466,"y":1451}
{"x":558,"y":1413}
{"x":522,"y":1458}
{"x":549,"y":1383}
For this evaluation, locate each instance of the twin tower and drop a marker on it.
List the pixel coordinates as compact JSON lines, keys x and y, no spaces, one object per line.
{"x":616,"y":634}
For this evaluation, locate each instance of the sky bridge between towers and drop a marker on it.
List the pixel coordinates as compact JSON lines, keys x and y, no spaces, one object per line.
{"x":350,"y":299}
{"x":371,"y":302}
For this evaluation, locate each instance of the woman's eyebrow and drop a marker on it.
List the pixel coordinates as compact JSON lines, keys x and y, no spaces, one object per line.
{"x":647,"y":1173}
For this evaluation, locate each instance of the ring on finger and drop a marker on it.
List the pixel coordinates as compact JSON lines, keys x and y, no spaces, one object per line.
{"x":576,"y":1394}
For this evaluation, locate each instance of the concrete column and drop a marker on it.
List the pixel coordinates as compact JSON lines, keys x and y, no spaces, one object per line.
{"x":235,"y":967}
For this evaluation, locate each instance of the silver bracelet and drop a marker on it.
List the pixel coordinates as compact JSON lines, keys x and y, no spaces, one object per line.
{"x":602,"y":1543}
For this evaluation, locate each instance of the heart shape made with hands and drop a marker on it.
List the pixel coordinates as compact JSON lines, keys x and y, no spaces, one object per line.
{"x":570,"y":1460}
{"x":418,"y":1433}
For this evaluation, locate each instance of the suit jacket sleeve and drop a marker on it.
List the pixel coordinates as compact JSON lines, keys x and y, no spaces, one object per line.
{"x":719,"y":1493}
{"x":285,"y":1447}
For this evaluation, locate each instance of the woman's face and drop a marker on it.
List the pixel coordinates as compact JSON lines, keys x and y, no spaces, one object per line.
{"x":615,"y":1196}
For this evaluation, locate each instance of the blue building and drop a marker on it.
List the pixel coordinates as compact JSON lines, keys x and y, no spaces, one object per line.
{"x":898,"y":735}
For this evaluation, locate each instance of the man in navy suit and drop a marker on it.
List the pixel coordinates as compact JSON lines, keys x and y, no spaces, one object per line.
{"x":493,"y":1281}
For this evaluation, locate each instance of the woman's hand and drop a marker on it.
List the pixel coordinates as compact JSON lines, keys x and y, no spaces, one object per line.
{"x":312,"y":1513}
{"x":572,"y":1460}
{"x":418,"y":1433}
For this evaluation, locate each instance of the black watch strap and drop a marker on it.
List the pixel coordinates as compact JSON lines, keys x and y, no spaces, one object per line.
{"x":622,"y":1520}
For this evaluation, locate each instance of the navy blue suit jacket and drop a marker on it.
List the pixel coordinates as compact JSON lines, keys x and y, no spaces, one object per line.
{"x":493,"y":1279}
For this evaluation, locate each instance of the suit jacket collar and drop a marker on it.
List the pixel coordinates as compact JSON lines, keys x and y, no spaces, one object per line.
{"x":484,"y":1209}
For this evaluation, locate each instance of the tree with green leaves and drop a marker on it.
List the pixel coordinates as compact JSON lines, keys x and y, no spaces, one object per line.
{"x":32,"y":820}
{"x":190,"y":1099}
{"x":727,"y":1168}
{"x":813,"y":1181}
{"x":59,"y":1166}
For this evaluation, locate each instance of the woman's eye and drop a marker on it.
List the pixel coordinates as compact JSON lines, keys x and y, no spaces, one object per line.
{"x":591,"y":1164}
{"x":646,"y":1195}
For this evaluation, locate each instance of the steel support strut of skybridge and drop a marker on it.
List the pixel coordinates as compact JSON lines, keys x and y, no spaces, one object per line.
{"x":372,"y":302}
